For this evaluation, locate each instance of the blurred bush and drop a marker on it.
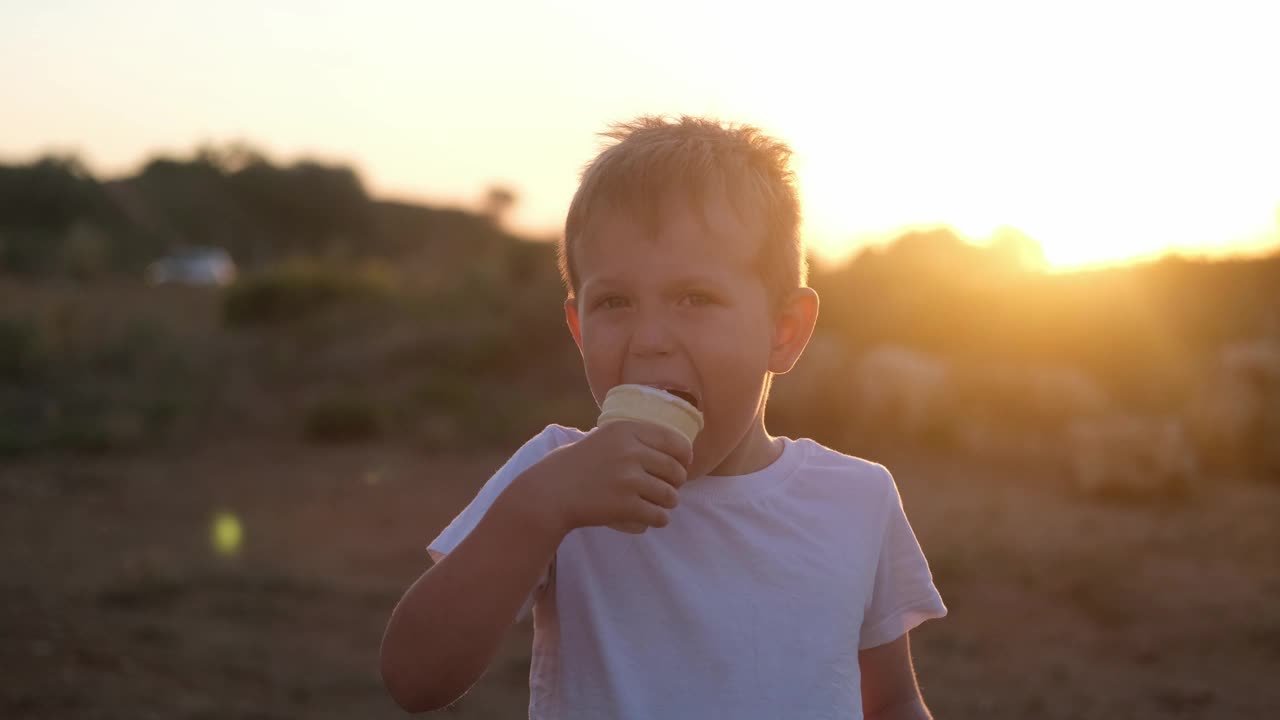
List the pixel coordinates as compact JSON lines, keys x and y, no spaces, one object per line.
{"x":342,"y":420}
{"x":94,"y":372}
{"x":302,"y":287}
{"x":20,"y":349}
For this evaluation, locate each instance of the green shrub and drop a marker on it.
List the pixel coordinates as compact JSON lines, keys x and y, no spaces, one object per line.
{"x":106,"y":431}
{"x":159,"y":415}
{"x":18,"y":438}
{"x":303,"y":287}
{"x":81,"y":423}
{"x":342,"y":420}
{"x":20,"y":349}
{"x":442,"y":392}
{"x":123,"y":354}
{"x":83,"y":436}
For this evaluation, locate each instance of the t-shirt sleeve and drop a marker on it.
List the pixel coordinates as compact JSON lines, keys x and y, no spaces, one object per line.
{"x":462,"y":525}
{"x":903,"y":595}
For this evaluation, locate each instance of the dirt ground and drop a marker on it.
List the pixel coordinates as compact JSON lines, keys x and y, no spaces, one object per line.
{"x":115,"y":604}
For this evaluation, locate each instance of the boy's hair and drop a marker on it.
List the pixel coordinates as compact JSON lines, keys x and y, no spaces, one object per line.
{"x":696,"y":158}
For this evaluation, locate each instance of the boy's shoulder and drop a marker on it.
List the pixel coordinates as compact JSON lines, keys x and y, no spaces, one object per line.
{"x":821,"y":459}
{"x":841,"y":480}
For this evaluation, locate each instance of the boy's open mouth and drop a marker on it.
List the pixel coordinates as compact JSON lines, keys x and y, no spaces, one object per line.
{"x":686,"y":396}
{"x":682,"y":394}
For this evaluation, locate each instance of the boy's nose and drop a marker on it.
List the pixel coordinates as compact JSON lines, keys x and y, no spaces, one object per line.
{"x":651,"y":335}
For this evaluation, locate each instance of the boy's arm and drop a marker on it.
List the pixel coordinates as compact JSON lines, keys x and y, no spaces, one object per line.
{"x":448,"y":626}
{"x":889,"y":689}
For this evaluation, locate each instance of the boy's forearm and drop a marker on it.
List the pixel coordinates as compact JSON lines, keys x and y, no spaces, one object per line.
{"x":450,"y":623}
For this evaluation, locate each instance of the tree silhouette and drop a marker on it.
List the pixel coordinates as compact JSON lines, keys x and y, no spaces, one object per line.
{"x":498,"y":201}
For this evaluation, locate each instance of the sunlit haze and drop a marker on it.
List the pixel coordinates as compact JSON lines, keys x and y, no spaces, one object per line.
{"x":1107,"y":131}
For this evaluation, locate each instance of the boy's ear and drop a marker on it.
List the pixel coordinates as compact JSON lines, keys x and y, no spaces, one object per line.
{"x":792,"y":327}
{"x":572,"y":320}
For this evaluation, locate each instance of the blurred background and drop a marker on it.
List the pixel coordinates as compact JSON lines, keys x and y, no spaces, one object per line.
{"x":278,"y":293}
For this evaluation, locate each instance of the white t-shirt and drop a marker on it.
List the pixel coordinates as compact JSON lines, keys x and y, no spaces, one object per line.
{"x":752,"y":603}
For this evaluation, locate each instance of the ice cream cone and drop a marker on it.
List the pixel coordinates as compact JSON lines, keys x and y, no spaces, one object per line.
{"x":641,"y":403}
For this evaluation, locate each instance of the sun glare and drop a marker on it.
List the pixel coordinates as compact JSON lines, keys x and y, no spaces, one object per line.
{"x":226,"y":534}
{"x":1103,"y":157}
{"x":1080,"y":217}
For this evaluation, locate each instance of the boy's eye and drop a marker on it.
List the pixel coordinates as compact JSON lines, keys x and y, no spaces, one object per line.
{"x":696,"y":299}
{"x":612,"y":302}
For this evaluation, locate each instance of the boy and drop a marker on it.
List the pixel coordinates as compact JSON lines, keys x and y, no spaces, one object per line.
{"x":765,"y":577}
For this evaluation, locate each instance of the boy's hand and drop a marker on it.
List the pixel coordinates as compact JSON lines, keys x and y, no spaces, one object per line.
{"x":624,"y":475}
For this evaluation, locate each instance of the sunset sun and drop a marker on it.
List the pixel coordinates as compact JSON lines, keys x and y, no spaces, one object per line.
{"x":1104,"y":201}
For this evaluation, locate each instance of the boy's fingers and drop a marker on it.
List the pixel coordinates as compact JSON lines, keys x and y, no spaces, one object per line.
{"x":649,"y":514}
{"x":664,"y":467}
{"x":660,"y":493}
{"x":666,"y":440}
{"x":631,"y":528}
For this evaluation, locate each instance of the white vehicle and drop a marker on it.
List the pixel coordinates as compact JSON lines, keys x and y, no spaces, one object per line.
{"x":193,"y":266}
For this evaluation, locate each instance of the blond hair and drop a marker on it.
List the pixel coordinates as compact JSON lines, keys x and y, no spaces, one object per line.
{"x":655,"y":157}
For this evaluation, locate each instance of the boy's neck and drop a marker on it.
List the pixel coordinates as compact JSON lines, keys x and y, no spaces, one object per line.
{"x":757,"y":451}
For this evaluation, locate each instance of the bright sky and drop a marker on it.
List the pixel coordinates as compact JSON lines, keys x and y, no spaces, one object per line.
{"x":1105,"y":130}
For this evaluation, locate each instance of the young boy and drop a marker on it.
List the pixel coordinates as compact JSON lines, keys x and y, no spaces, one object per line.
{"x":765,"y":577}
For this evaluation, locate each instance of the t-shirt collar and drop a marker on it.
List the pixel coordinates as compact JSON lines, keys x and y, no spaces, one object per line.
{"x":715,"y":488}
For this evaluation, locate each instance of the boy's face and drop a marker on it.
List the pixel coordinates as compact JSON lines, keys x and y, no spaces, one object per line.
{"x":683,"y":310}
